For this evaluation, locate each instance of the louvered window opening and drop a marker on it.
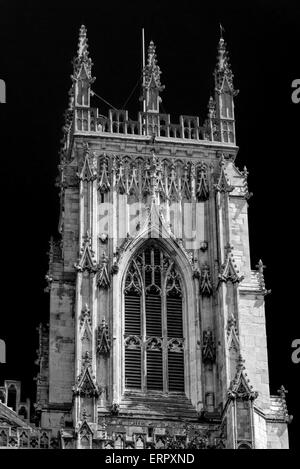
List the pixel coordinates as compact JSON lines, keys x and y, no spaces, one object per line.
{"x":153,"y":332}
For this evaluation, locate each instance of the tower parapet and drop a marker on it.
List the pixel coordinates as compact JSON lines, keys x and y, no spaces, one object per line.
{"x":150,"y":121}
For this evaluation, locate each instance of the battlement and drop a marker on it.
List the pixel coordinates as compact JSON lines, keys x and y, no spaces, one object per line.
{"x":117,"y":122}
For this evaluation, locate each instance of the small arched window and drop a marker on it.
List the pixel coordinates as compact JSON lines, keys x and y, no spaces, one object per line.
{"x":12,"y":397}
{"x":154,"y":352}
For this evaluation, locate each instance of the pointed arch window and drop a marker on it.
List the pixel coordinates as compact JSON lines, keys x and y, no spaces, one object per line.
{"x":153,"y":324}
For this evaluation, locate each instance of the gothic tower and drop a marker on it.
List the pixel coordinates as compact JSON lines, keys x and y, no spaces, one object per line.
{"x":156,"y":335}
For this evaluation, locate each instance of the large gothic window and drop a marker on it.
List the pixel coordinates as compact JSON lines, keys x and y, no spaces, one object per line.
{"x":154,"y":356}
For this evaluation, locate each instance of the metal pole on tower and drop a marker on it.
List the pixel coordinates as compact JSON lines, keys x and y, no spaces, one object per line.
{"x":143,"y":68}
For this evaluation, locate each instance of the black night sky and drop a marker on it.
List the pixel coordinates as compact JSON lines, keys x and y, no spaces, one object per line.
{"x":38,"y":41}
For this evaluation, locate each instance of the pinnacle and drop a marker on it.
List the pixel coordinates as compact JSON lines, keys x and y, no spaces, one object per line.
{"x":151,"y":53}
{"x":152,"y":69}
{"x":222,"y":55}
{"x":260,"y":266}
{"x":82,"y":56}
{"x":82,"y":44}
{"x":223,"y":67}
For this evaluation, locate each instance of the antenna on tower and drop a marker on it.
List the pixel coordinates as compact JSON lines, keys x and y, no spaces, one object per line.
{"x":143,"y":68}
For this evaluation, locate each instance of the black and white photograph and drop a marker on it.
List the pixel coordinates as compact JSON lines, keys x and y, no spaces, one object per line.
{"x":149,"y":227}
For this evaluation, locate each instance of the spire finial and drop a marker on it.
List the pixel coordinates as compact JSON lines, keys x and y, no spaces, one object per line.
{"x":152,"y":70}
{"x":222,"y":58}
{"x":222,"y":30}
{"x":80,"y":92}
{"x":151,"y":82}
{"x":82,"y":57}
{"x":223,"y":67}
{"x":82,"y":43}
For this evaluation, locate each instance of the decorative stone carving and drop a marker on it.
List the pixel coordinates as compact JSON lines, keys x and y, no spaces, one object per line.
{"x":229,"y":271}
{"x":203,"y":246}
{"x":159,"y":181}
{"x":103,"y":181}
{"x":223,"y":69}
{"x":115,"y":409}
{"x":246,"y":192}
{"x":282,"y":393}
{"x":173,"y":286}
{"x":102,"y":278}
{"x":173,"y":193}
{"x":82,"y":60}
{"x":86,"y":359}
{"x":186,"y":183}
{"x":223,"y":184}
{"x":85,"y":316}
{"x":146,"y":180}
{"x":86,"y":384}
{"x":202,"y":189}
{"x":208,"y":347}
{"x":86,"y":260}
{"x":232,"y":325}
{"x":154,"y":343}
{"x":239,"y":386}
{"x":188,"y":255}
{"x":132,"y":342}
{"x":88,"y":172}
{"x":176,"y":345}
{"x":261,"y":279}
{"x":103,"y":345}
{"x":133,"y":181}
{"x":132,"y":282}
{"x":233,"y":343}
{"x":120,"y":177}
{"x":196,"y":270}
{"x":103,"y":238}
{"x":120,"y":250}
{"x":114,"y":268}
{"x":151,"y":83}
{"x":205,"y":282}
{"x":85,"y":433}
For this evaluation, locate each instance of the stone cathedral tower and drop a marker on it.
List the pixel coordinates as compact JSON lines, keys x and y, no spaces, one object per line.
{"x":156,"y":335}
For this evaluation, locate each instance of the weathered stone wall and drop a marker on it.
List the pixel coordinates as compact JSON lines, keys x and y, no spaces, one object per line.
{"x":254,"y":344}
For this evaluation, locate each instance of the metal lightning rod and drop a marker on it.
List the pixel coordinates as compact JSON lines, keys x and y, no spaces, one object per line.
{"x":143,"y":68}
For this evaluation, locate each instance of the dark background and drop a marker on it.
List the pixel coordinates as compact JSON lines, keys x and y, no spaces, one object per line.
{"x":38,"y":41}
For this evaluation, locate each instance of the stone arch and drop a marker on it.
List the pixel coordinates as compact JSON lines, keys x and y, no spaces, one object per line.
{"x":190,"y":309}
